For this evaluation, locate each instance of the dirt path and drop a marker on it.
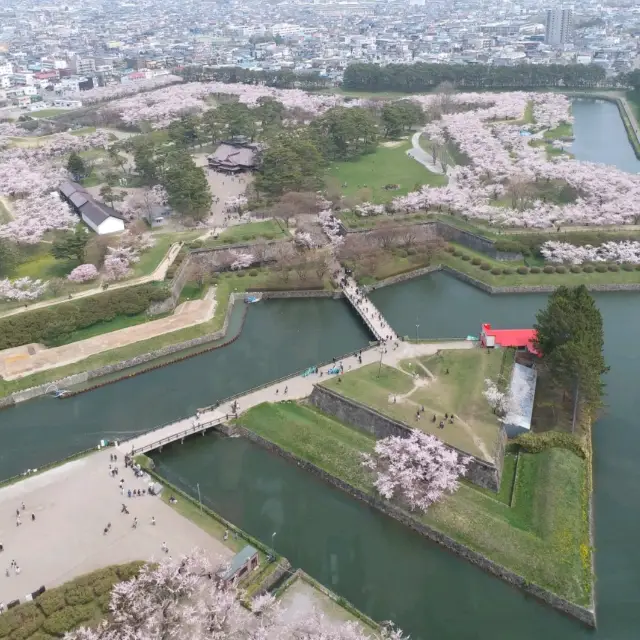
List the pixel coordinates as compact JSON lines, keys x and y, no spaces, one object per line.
{"x":28,"y":359}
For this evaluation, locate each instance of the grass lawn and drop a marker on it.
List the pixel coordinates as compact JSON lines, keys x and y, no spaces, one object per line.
{"x":266,"y":229}
{"x":387,"y":165}
{"x":313,"y":436}
{"x":460,"y":392}
{"x":5,"y":215}
{"x":47,"y":113}
{"x":38,"y":263}
{"x":83,"y":601}
{"x":563,"y":130}
{"x":387,"y":264}
{"x":509,"y":280}
{"x":539,"y":532}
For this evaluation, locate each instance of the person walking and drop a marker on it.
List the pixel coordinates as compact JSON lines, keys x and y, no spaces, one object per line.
{"x":165,"y":548}
{"x":153,"y":521}
{"x":33,"y":517}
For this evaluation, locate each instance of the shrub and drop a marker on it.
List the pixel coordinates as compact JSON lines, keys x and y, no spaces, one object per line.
{"x":411,"y":251}
{"x":68,"y":618}
{"x":51,"y":601}
{"x":78,"y":594}
{"x":627,"y":267}
{"x":496,"y":271}
{"x":196,"y":244}
{"x":54,"y":323}
{"x":449,"y":249}
{"x":103,"y":602}
{"x":523,"y":271}
{"x":466,"y":257}
{"x":240,"y":274}
{"x":613,"y":267}
{"x":476,"y":261}
{"x":538,"y":442}
{"x":457,"y":253}
{"x":588,"y":268}
{"x":601,"y":268}
{"x":549,"y":269}
{"x":402,"y":253}
{"x":575,"y":269}
{"x":508,"y":271}
{"x":21,"y":622}
{"x":535,"y":270}
{"x":129,"y":570}
{"x":561,"y":269}
{"x":485,"y":266}
{"x":638,"y":267}
{"x":253,"y":273}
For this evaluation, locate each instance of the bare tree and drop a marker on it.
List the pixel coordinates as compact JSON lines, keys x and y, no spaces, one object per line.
{"x":321,"y":267}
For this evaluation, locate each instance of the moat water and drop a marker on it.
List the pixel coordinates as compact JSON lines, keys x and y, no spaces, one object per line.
{"x":383,"y":568}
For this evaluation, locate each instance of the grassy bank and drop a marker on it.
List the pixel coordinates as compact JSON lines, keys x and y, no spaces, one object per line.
{"x":226,"y":284}
{"x":451,"y":382}
{"x":540,"y":532}
{"x":250,"y":232}
{"x":366,"y":177}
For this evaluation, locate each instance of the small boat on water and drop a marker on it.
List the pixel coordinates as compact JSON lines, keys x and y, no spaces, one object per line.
{"x":251,"y":299}
{"x":61,"y":393}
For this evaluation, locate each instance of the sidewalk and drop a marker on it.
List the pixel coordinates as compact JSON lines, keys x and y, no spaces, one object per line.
{"x":296,"y":387}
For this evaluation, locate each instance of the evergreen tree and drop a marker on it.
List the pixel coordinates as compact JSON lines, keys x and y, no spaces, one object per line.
{"x":76,"y":166}
{"x":187,"y":187}
{"x":70,"y":245}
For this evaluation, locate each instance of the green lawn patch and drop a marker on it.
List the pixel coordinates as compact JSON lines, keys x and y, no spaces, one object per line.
{"x":387,"y":263}
{"x":47,"y":113}
{"x":529,"y":279}
{"x":83,"y":601}
{"x":563,"y":130}
{"x":475,"y":427}
{"x":540,"y":532}
{"x":249,"y":232}
{"x":38,"y":263}
{"x":367,"y":176}
{"x":313,"y":436}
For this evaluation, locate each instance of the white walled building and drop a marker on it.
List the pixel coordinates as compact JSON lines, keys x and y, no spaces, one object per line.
{"x":558,"y":26}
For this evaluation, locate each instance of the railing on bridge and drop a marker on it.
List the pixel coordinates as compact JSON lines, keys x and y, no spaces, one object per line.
{"x":362,"y":314}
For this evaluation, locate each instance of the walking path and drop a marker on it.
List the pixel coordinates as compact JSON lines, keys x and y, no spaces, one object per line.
{"x":72,"y":505}
{"x":157,"y":274}
{"x":296,"y":387}
{"x":421,"y":156}
{"x":368,"y":312}
{"x":28,"y":359}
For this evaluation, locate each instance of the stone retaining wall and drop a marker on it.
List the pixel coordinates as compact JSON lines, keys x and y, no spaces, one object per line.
{"x":283,"y":568}
{"x":481,"y":472}
{"x":306,"y":293}
{"x":402,"y":277}
{"x":584,"y":615}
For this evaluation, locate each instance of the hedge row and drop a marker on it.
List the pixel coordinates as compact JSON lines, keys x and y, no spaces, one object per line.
{"x":62,"y":609}
{"x":537,"y":442}
{"x":529,"y":244}
{"x":178,"y":260}
{"x":54,"y":323}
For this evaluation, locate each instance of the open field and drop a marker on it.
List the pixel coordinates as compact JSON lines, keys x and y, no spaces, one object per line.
{"x":366,"y":177}
{"x":249,"y":232}
{"x":539,"y":532}
{"x":427,"y":384}
{"x":48,"y":113}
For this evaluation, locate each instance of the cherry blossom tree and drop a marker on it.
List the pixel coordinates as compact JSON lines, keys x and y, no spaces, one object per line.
{"x":83,"y":273}
{"x":419,"y":469}
{"x":22,"y":290}
{"x":618,"y":252}
{"x":185,"y":599}
{"x":498,"y":400}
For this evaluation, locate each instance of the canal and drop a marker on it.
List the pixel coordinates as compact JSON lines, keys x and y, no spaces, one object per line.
{"x":600,"y":135}
{"x":391,"y":573}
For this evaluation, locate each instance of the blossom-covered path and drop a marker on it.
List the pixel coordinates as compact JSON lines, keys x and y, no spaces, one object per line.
{"x":296,"y":386}
{"x":157,"y":274}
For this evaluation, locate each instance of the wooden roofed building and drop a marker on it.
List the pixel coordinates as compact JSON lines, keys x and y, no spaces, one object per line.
{"x":235,"y":156}
{"x":96,"y":215}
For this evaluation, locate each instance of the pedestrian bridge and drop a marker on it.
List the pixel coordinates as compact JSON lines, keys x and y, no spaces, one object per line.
{"x":380,"y":328}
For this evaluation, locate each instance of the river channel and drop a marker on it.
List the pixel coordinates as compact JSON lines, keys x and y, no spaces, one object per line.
{"x":386,"y":570}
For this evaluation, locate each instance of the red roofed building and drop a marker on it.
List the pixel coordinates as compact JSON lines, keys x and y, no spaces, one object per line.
{"x":514,"y":338}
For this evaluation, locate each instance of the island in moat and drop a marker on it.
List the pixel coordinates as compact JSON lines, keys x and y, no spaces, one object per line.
{"x":482,"y":444}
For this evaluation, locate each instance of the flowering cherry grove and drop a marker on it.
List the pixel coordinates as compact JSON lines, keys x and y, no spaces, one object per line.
{"x":420,"y":469}
{"x":169,"y":103}
{"x":83,"y":273}
{"x":490,"y":135}
{"x":30,"y":176}
{"x":564,"y":252}
{"x":184,"y":599}
{"x":22,"y":289}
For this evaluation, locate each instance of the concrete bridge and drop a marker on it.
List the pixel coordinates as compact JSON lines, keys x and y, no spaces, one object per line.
{"x":380,"y":328}
{"x":294,"y":387}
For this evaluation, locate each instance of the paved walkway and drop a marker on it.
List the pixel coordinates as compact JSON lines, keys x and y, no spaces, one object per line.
{"x":297,"y":387}
{"x":32,"y":358}
{"x":73,"y":504}
{"x":421,"y":156}
{"x":368,"y":311}
{"x":158,"y":273}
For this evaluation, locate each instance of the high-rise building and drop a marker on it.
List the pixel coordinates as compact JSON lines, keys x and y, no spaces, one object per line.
{"x":558,"y":28}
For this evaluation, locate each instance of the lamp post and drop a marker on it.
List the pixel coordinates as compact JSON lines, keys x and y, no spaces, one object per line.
{"x":417,"y":327}
{"x":273,"y":537}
